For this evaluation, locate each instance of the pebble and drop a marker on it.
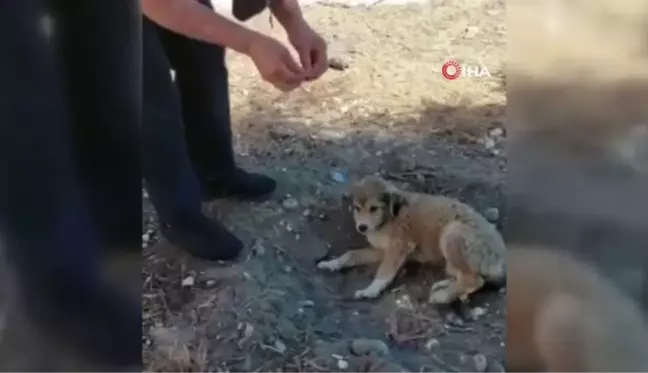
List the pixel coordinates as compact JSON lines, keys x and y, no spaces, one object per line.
{"x":471,"y":32}
{"x":290,"y":203}
{"x":481,"y":364}
{"x":258,"y":248}
{"x":338,"y":177}
{"x":188,"y":281}
{"x":289,"y":227}
{"x":363,"y":346}
{"x":477,"y":312}
{"x":210,"y":283}
{"x":489,"y":143}
{"x":496,"y":132}
{"x":492,"y":214}
{"x":280,"y":347}
{"x":342,"y":364}
{"x":307,"y":303}
{"x":432,"y":344}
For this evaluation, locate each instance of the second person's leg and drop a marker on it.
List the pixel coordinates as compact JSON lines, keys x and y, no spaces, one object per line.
{"x":168,"y":173}
{"x":201,"y":77}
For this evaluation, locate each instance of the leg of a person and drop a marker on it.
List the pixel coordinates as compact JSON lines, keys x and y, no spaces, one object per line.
{"x":201,"y":77}
{"x":46,"y":226}
{"x":169,"y":175}
{"x":100,"y":46}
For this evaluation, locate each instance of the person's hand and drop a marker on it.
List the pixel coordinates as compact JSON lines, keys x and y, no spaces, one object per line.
{"x":311,"y":48}
{"x":275,"y":63}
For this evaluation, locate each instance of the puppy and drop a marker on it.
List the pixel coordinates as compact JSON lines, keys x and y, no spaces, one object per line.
{"x":403,"y":226}
{"x":562,"y":316}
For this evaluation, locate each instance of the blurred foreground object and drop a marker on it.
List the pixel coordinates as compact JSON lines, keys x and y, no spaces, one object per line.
{"x":577,"y":120}
{"x":563,"y":316}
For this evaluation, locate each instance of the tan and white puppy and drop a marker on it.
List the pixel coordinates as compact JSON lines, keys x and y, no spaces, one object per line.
{"x":403,"y":226}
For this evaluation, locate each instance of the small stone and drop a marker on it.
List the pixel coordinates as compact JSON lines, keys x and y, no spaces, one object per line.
{"x":477,"y":312}
{"x":287,"y":269}
{"x":471,"y":32}
{"x":210,"y":283}
{"x":492,"y":214}
{"x":188,"y":281}
{"x":342,"y":364}
{"x":289,"y":227}
{"x":454,"y":320}
{"x":496,"y":132}
{"x":290,"y":203}
{"x":306,"y":213}
{"x":432,"y":344}
{"x":489,"y":143}
{"x":360,"y":347}
{"x":337,"y":63}
{"x":481,"y":363}
{"x":338,"y":177}
{"x":258,"y":248}
{"x":146,"y":237}
{"x":280,"y":347}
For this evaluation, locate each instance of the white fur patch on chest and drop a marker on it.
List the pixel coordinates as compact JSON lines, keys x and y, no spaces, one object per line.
{"x":379,"y":240}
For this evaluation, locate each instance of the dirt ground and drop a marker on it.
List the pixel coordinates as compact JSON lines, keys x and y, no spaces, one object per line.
{"x":391,"y":112}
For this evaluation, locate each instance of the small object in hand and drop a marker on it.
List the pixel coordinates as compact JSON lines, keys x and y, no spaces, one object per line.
{"x":338,"y":64}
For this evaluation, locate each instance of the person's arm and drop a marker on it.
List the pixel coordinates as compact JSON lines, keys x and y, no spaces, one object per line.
{"x":287,"y":12}
{"x":196,"y":21}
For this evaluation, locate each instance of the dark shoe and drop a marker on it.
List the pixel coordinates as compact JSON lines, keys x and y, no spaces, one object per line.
{"x":96,"y":320}
{"x":201,"y":237}
{"x":241,"y":184}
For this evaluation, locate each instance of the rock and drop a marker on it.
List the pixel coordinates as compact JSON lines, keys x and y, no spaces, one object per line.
{"x":307,"y":303}
{"x":342,"y":364}
{"x":492,"y":214}
{"x":470,"y":32}
{"x":337,"y":63}
{"x":489,"y":143}
{"x":290,"y":203}
{"x":477,"y":312}
{"x":280,"y":347}
{"x":258,"y":248}
{"x":188,"y":281}
{"x":432,"y":344}
{"x":496,"y":132}
{"x":360,"y":347}
{"x":481,"y":363}
{"x":338,"y":177}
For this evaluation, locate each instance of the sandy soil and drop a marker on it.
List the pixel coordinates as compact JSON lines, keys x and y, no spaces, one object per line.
{"x":391,"y":112}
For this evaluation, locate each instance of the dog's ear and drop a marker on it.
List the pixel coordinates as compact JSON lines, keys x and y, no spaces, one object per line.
{"x":394,"y":202}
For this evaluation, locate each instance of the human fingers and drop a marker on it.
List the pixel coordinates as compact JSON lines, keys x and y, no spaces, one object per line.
{"x":319,"y":60}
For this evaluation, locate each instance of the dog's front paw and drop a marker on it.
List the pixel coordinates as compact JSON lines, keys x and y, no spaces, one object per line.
{"x":332,"y":265}
{"x":367,"y":293}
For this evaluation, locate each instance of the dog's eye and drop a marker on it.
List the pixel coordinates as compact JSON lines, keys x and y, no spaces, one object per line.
{"x":373,"y":208}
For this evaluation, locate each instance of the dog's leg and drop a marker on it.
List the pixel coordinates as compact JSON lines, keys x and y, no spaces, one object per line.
{"x":352,"y":258}
{"x":392,"y":261}
{"x":456,"y":242}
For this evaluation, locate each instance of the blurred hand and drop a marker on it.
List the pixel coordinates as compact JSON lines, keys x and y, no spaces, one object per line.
{"x":311,"y":48}
{"x":275,"y":63}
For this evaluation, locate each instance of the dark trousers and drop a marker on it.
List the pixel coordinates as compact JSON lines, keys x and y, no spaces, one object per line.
{"x":186,"y":123}
{"x":69,"y":163}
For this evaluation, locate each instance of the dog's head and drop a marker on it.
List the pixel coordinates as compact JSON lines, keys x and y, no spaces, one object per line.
{"x":375,"y":203}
